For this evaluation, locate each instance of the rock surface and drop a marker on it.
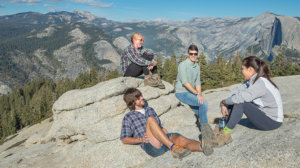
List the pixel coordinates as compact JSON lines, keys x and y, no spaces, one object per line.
{"x":4,"y":89}
{"x":70,"y":56}
{"x":106,"y":51}
{"x":86,"y":126}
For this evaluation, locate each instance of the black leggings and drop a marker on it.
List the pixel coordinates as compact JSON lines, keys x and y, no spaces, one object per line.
{"x":136,"y":70}
{"x":256,"y":116}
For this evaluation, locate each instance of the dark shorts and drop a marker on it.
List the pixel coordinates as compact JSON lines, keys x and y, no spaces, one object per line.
{"x":154,"y":152}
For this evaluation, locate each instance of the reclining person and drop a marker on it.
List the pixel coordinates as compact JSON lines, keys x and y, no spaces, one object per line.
{"x":142,"y":126}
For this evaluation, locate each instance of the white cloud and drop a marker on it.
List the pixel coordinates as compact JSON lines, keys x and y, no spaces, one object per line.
{"x":24,"y":1}
{"x":48,"y":6}
{"x":95,"y":3}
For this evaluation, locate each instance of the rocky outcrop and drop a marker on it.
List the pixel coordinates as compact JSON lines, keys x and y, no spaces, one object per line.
{"x":86,"y":127}
{"x":70,"y":56}
{"x":98,"y":116}
{"x":46,"y":32}
{"x":105,"y":51}
{"x":4,"y":89}
{"x":121,"y":43}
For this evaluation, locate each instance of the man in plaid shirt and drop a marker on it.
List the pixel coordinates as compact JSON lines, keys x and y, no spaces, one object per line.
{"x":142,"y":126}
{"x":136,"y":60}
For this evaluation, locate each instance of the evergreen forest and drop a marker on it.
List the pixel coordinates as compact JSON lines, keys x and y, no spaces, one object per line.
{"x":33,"y":102}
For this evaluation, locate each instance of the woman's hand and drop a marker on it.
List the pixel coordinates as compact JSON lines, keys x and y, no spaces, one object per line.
{"x":224,"y":111}
{"x":222,"y":103}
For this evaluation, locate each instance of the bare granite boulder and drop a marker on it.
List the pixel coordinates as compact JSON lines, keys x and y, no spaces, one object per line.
{"x":86,"y":128}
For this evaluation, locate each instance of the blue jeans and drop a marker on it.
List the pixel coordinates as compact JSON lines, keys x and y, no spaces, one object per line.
{"x":192,"y":100}
{"x":154,"y":152}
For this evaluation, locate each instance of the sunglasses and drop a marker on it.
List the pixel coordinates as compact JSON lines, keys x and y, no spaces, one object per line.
{"x":193,"y":54}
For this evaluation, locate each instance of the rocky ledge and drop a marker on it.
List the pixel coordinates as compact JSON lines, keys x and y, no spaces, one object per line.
{"x":85,"y":130}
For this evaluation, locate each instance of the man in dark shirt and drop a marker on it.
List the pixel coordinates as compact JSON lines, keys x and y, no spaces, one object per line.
{"x":136,"y":60}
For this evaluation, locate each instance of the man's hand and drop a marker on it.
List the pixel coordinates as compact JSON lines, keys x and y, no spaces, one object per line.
{"x":150,"y":67}
{"x":154,"y":63}
{"x":145,"y":139}
{"x":201,"y":99}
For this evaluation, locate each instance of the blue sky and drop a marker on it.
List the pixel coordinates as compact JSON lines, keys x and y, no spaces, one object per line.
{"x":126,"y":10}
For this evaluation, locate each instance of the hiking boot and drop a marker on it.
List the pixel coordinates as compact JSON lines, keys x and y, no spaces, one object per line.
{"x":148,"y":80}
{"x":158,"y":81}
{"x":223,"y":139}
{"x":217,"y":130}
{"x":179,"y":152}
{"x":208,"y":135}
{"x":206,"y":148}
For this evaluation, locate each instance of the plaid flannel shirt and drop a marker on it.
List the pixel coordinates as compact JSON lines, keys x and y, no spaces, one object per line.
{"x":130,"y":55}
{"x":134,"y":123}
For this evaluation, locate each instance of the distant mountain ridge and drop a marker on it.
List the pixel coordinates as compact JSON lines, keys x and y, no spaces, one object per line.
{"x":63,"y":44}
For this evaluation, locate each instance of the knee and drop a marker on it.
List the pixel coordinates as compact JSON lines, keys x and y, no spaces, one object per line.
{"x":205,"y":104}
{"x":151,"y":120}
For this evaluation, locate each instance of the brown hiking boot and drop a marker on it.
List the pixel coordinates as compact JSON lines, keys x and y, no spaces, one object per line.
{"x":208,"y":135}
{"x":206,"y":148}
{"x":217,"y":130}
{"x":148,"y":80}
{"x":223,"y":139}
{"x":158,"y":81}
{"x":179,"y":152}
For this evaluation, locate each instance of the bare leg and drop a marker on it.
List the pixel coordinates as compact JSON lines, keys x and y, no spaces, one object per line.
{"x":155,"y":133}
{"x":157,"y":136}
{"x":190,"y":144}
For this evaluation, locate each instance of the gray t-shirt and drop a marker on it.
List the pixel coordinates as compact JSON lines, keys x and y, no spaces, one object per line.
{"x":262,"y":93}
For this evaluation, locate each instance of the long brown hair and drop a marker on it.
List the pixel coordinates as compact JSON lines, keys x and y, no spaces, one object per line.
{"x":260,"y":67}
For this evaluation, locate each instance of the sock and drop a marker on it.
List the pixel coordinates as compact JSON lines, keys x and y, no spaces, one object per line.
{"x":171,"y":147}
{"x":227,"y":130}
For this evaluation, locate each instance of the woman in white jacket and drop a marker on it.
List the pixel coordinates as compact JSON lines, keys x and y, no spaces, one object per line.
{"x":258,"y":98}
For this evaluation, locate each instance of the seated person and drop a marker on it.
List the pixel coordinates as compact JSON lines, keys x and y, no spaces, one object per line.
{"x":188,"y":91}
{"x":142,"y":126}
{"x":257,"y":97}
{"x":136,"y":60}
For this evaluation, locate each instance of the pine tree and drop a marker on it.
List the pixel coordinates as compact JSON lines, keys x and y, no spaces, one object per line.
{"x":297,"y":68}
{"x":170,"y":70}
{"x":93,"y":76}
{"x":236,"y":68}
{"x":182,"y":58}
{"x":82,"y":81}
{"x":165,"y":69}
{"x":159,"y":64}
{"x":281,"y":66}
{"x":220,"y":70}
{"x":113,"y":74}
{"x":204,"y":75}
